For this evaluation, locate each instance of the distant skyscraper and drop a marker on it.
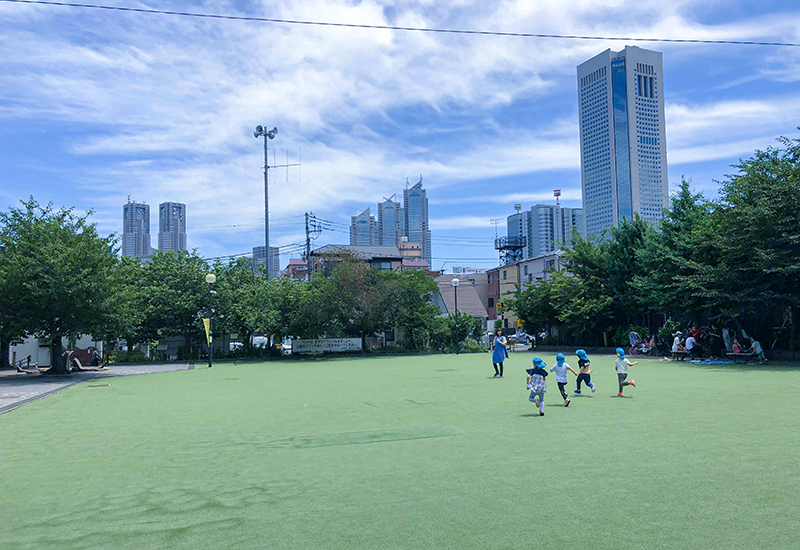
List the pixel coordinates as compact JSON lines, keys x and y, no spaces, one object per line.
{"x":171,"y":226}
{"x":136,"y":230}
{"x":572,"y":218}
{"x":362,"y":229}
{"x":416,"y":228}
{"x":546,"y":228}
{"x":623,"y":137}
{"x":274,"y":259}
{"x":389,"y":222}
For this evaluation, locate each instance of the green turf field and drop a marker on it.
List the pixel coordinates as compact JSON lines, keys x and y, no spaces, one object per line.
{"x":407,"y":452}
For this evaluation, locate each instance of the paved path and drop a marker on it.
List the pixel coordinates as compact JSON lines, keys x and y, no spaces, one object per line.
{"x":17,"y":389}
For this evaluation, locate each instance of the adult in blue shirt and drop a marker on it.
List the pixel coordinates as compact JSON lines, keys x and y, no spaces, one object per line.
{"x":500,"y":352}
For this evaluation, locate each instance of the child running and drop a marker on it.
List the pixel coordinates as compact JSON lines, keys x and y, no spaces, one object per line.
{"x":536,"y":383}
{"x":622,"y":364}
{"x":561,"y":368}
{"x":585,"y":371}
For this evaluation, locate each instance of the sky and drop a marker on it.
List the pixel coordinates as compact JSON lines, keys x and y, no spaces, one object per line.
{"x":98,"y":105}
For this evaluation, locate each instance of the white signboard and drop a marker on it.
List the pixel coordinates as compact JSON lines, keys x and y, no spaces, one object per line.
{"x":323,"y":345}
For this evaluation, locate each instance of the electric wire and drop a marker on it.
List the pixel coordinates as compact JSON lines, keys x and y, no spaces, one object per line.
{"x":397,"y":28}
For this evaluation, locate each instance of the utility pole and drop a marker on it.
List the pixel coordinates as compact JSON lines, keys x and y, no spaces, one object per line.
{"x":261,"y":131}
{"x":308,"y":251}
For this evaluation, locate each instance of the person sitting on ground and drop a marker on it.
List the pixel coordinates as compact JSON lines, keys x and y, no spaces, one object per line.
{"x":757,"y":350}
{"x":692,"y":347}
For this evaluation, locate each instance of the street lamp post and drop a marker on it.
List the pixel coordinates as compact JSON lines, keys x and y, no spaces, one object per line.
{"x":455,"y":283}
{"x":268,"y":134}
{"x":210,"y":279}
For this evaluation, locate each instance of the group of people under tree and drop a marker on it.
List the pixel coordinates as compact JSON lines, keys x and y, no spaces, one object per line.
{"x":714,"y":343}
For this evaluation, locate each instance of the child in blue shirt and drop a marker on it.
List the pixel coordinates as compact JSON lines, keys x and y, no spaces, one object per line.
{"x":536,"y":383}
{"x":561,"y":368}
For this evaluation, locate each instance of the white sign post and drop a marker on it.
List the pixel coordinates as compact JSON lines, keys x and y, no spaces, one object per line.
{"x":326,"y":345}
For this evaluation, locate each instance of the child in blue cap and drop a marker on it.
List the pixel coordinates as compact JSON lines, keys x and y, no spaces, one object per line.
{"x":622,"y":364}
{"x":584,"y":371}
{"x":561,"y":368}
{"x":536,"y":383}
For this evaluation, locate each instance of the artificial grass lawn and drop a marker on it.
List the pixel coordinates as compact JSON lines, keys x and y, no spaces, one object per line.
{"x":406,"y":452}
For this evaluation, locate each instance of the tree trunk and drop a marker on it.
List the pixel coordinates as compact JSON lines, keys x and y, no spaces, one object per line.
{"x":4,"y":347}
{"x":793,"y":327}
{"x":58,"y":365}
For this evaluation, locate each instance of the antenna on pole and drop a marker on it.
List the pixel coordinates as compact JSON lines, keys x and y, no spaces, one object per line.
{"x":495,"y":222}
{"x":557,"y":195}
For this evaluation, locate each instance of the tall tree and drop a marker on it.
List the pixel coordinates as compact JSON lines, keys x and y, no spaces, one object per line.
{"x":62,"y":269}
{"x":759,"y":232}
{"x":676,"y":256}
{"x":12,"y":321}
{"x":177,"y":294}
{"x":240,"y":303}
{"x":409,"y":306}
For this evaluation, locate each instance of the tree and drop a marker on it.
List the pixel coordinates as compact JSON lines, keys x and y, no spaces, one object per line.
{"x":176,"y":294}
{"x":678,"y":255}
{"x":12,"y":321}
{"x":62,"y":269}
{"x":359,"y":298}
{"x":758,"y":233}
{"x":241,"y":301}
{"x":127,"y":302}
{"x":409,"y":305}
{"x":534,"y":305}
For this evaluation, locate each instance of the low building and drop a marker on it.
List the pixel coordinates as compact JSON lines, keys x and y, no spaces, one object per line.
{"x":296,"y":269}
{"x":502,"y":281}
{"x":327,"y":257}
{"x":468,"y":300}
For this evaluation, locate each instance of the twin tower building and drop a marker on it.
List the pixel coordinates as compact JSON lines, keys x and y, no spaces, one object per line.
{"x":136,"y":229}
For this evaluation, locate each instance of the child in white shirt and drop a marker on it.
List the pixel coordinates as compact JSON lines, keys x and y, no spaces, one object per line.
{"x":622,"y":364}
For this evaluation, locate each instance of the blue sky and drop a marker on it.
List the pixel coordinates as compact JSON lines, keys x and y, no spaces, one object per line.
{"x":98,"y":105}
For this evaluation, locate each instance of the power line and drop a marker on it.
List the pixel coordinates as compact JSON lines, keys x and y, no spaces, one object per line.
{"x":397,"y":28}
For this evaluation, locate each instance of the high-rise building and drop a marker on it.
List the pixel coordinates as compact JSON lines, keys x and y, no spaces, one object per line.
{"x":136,"y":230}
{"x":389,"y":222}
{"x":572,"y":218}
{"x":546,"y":228}
{"x":362,"y":229}
{"x":623,"y":137}
{"x":259,"y":257}
{"x":171,"y":226}
{"x":415,"y":224}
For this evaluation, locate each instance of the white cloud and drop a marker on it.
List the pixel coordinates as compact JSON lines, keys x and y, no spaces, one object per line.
{"x":169,"y":102}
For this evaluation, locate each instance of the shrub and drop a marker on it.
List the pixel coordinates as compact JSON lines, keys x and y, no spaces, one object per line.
{"x":133,"y":356}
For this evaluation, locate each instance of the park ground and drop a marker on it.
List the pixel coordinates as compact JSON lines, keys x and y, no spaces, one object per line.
{"x":406,"y":452}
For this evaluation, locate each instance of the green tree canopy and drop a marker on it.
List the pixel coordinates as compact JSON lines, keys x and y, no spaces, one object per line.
{"x":62,"y":270}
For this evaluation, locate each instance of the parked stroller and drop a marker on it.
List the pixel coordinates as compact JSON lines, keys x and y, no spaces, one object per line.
{"x":638,"y":344}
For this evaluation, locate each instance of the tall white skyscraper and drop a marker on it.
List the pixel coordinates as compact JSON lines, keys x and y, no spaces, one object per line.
{"x":171,"y":226}
{"x":362,"y":229}
{"x":623,"y":137}
{"x":136,"y":230}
